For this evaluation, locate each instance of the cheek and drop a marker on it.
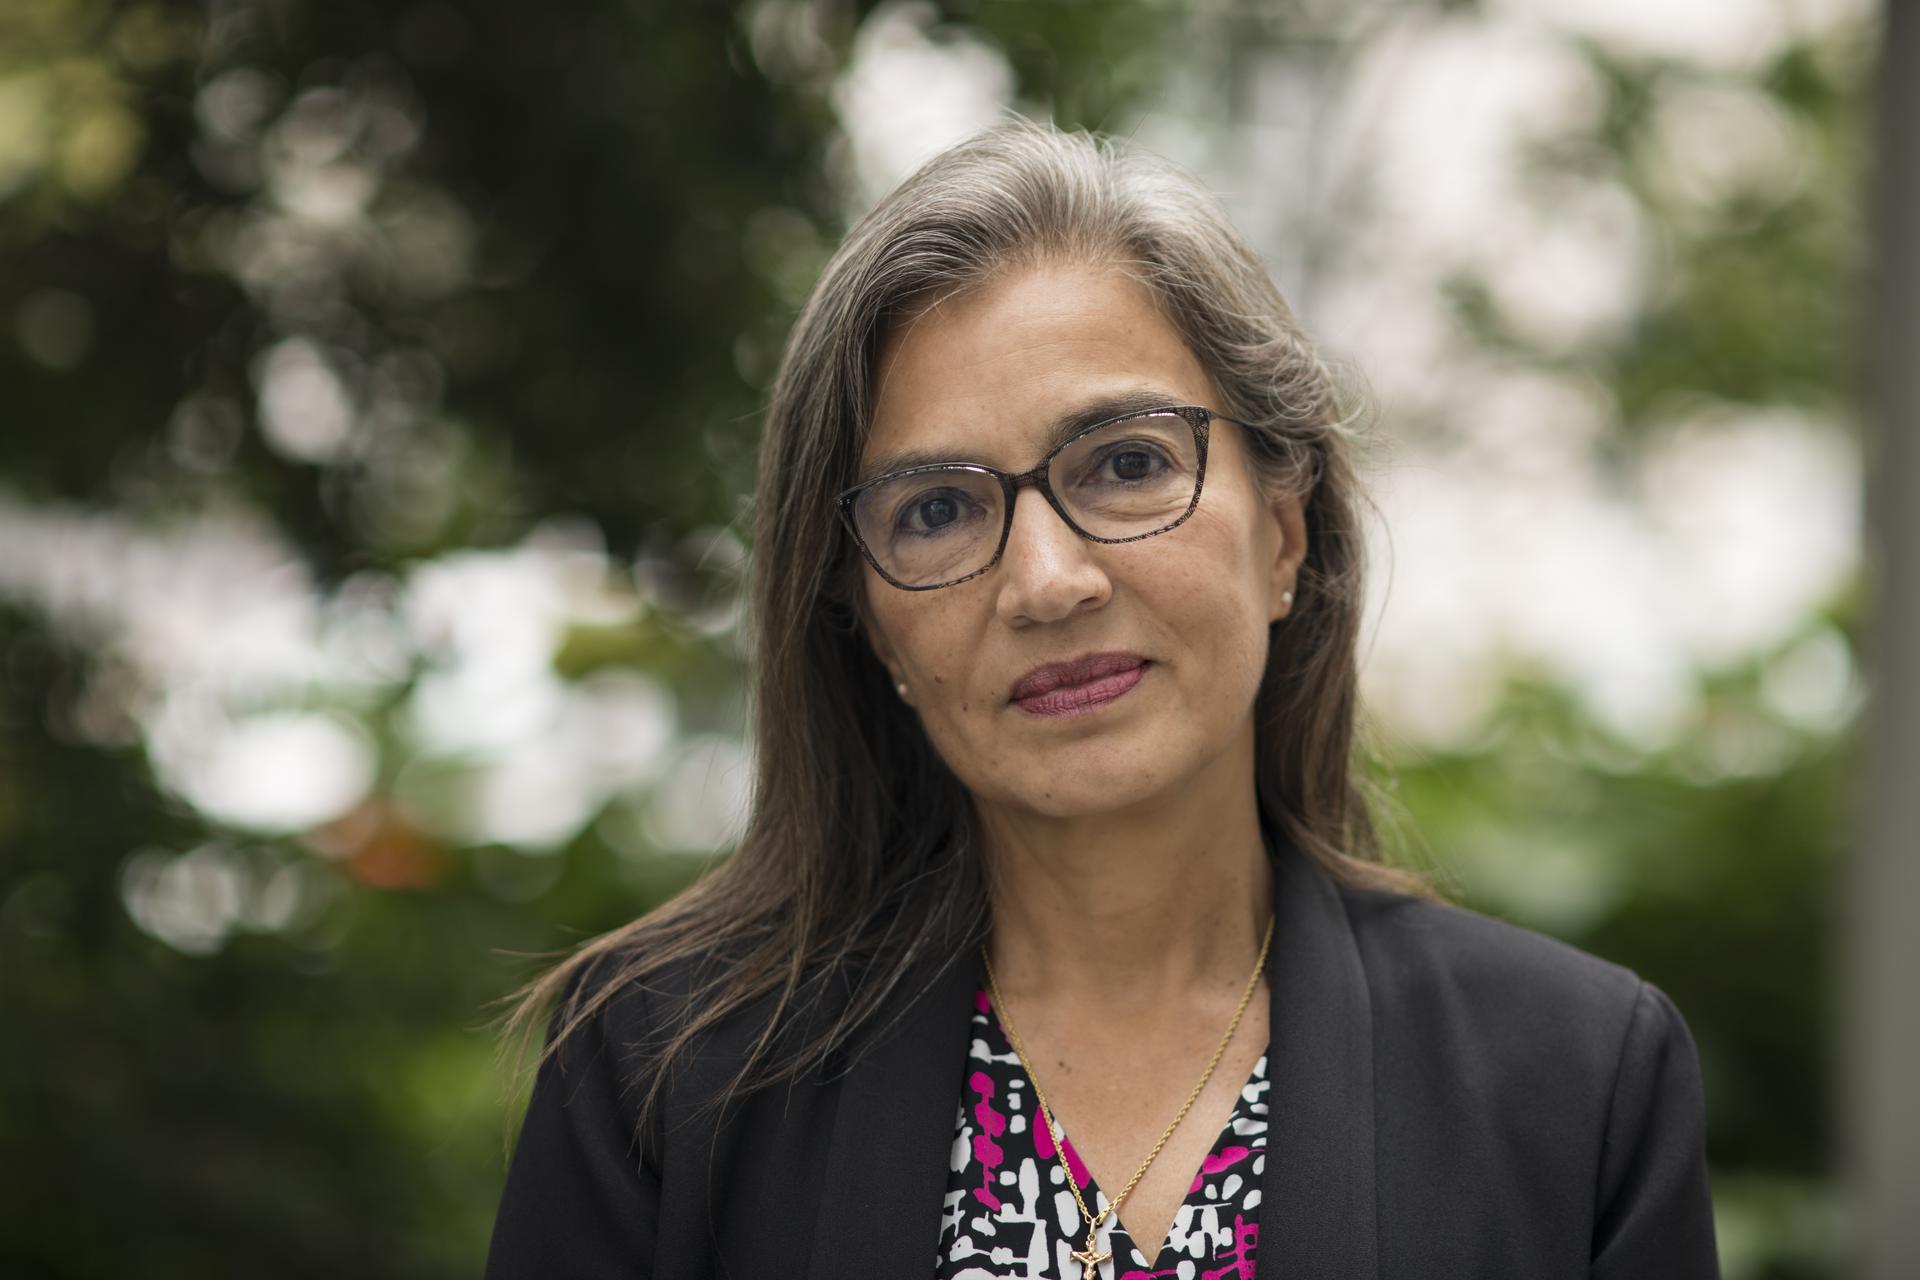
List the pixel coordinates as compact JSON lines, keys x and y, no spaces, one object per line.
{"x":926,"y":647}
{"x":1208,"y":562}
{"x":1210,"y":596}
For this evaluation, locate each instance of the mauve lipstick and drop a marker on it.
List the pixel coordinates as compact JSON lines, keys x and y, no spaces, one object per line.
{"x":1080,"y":686}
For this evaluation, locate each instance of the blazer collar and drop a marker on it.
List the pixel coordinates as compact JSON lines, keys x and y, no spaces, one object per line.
{"x":885,"y":1175}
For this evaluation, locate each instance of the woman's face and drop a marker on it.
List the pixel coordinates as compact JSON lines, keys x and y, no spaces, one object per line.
{"x":982,"y":377}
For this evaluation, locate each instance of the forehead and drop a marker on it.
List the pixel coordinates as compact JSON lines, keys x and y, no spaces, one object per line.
{"x":991,"y":374}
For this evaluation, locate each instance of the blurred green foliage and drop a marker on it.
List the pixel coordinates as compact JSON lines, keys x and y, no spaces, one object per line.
{"x":552,"y":254}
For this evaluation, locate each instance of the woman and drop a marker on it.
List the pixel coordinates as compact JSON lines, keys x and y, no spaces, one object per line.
{"x":1057,"y":944}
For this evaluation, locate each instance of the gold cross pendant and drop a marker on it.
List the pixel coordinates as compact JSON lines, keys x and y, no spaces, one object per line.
{"x":1087,"y":1259}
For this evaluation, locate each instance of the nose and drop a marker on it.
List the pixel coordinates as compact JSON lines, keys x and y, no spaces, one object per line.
{"x":1047,"y":571}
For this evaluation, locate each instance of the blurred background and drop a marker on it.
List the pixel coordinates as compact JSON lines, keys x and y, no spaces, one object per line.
{"x":379,"y":390}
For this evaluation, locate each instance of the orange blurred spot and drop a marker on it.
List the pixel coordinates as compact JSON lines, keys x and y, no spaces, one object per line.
{"x":376,"y":845}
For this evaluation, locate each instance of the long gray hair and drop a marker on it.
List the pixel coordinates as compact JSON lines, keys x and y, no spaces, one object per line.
{"x":859,"y":853}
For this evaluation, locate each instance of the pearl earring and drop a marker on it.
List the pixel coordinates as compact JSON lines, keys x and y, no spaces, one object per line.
{"x":1286,"y":598}
{"x":902,"y":687}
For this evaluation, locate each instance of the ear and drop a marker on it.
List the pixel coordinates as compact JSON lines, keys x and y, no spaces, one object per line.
{"x":1289,"y":520}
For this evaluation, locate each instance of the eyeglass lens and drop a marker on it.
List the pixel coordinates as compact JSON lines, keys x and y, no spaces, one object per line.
{"x":1122,"y":480}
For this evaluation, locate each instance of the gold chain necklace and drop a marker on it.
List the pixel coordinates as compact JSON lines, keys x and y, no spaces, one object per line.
{"x":1088,"y":1258}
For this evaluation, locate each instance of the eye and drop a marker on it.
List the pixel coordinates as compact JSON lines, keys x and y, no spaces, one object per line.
{"x":1131,"y":464}
{"x":936,"y":510}
{"x":1132,"y":461}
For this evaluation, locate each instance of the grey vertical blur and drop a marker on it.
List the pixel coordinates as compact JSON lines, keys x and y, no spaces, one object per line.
{"x":1883,"y":1094}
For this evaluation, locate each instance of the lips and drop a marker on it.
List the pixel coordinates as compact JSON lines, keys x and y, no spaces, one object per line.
{"x":1063,"y":675}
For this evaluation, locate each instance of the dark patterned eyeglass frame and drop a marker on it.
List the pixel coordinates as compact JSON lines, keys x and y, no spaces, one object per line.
{"x":1198,"y":418}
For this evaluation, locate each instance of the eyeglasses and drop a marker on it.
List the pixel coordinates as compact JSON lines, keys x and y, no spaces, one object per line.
{"x":1119,"y":480}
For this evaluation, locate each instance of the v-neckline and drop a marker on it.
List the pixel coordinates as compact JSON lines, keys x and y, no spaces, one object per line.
{"x":1116,"y":1222}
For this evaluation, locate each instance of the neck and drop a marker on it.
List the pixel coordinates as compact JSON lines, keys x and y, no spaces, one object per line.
{"x":1131,"y":908}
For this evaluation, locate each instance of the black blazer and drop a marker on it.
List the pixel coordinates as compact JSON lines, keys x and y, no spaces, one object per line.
{"x":1452,"y":1096}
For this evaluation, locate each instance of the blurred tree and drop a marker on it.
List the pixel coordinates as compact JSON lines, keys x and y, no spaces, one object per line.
{"x":1708,"y":865}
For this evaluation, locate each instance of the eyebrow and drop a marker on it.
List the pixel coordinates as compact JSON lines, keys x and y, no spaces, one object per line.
{"x":1116,"y":405}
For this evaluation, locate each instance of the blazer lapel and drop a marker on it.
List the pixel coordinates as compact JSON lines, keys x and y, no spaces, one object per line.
{"x":1316,"y":1194}
{"x":886,"y":1166}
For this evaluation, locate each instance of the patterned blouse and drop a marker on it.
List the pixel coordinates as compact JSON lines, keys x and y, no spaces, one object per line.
{"x":1009,"y":1216}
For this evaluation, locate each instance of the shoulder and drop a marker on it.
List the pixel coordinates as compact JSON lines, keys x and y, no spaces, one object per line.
{"x":1494,"y":997}
{"x":1525,"y":1081}
{"x":1440,"y":947}
{"x":693,"y":1017}
{"x":635,"y":999}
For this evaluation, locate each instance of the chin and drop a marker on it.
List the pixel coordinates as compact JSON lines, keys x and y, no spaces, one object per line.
{"x":1071,"y":784}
